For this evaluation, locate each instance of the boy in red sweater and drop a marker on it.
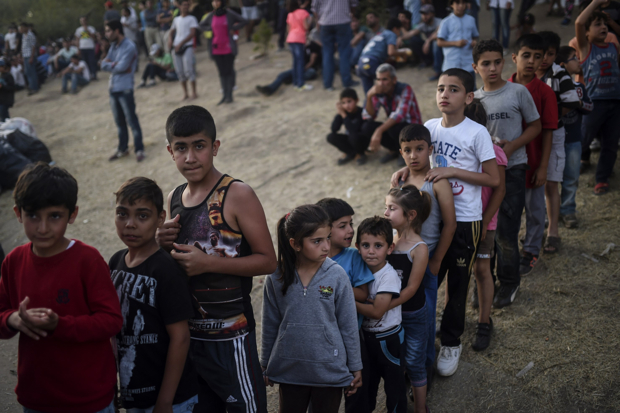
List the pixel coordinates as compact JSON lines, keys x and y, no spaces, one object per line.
{"x":57,"y":292}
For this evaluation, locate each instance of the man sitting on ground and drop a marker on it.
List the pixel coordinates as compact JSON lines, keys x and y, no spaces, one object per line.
{"x":62,"y":59}
{"x":400,"y":105}
{"x":423,"y":39}
{"x":160,"y":66}
{"x":77,"y":72}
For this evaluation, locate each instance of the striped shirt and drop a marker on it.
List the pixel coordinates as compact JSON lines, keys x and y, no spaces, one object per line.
{"x":403,"y":107}
{"x":562,"y":84}
{"x":331,"y":12}
{"x":28,"y":42}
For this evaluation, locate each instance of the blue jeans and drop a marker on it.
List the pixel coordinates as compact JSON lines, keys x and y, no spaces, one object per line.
{"x":108,"y":409}
{"x":341,"y":35}
{"x":91,"y":60}
{"x":367,"y":71}
{"x":297,"y":50}
{"x":570,"y":180}
{"x":4,"y":113}
{"x":124,"y":111}
{"x":416,"y":336}
{"x":414,"y":7}
{"x":604,"y":122}
{"x":474,"y":10}
{"x":435,"y":56}
{"x":430,"y":292}
{"x":184,"y":407}
{"x":76,"y":80}
{"x":287,"y":77}
{"x":31,"y":74}
{"x":501,"y":20}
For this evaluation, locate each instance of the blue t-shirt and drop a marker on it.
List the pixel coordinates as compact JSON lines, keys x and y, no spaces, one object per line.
{"x":357,"y":270}
{"x":601,"y":72}
{"x":453,"y":29}
{"x":377,"y":47}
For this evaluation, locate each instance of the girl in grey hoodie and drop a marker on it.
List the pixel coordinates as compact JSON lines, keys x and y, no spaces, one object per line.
{"x":310,"y":342}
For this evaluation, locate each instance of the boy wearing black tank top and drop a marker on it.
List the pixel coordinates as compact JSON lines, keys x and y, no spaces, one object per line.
{"x":214,"y":218}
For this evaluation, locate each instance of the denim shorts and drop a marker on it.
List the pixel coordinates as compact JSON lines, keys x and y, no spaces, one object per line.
{"x":416,"y":336}
{"x":184,"y":407}
{"x":108,"y":409}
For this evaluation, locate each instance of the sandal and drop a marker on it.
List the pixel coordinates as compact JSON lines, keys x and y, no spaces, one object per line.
{"x":552,"y":245}
{"x":601,"y":188}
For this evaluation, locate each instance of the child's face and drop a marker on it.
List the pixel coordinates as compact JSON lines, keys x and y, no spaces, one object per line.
{"x":374,"y":251}
{"x":395,"y":214}
{"x":527,"y":61}
{"x":342,"y":232}
{"x":136,"y":224}
{"x":572,"y":64}
{"x":451,"y":95}
{"x":416,"y":154}
{"x":597,"y":32}
{"x":314,"y":248}
{"x":193,"y":155}
{"x":459,"y":7}
{"x":489,"y":67}
{"x":348,"y":104}
{"x":548,"y":59}
{"x":46,"y":228}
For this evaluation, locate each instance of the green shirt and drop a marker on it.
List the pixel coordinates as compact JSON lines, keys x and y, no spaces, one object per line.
{"x":165,"y":60}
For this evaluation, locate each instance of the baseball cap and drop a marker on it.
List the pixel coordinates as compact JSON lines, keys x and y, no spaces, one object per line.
{"x":154,"y":49}
{"x":109,"y":4}
{"x":427,"y":8}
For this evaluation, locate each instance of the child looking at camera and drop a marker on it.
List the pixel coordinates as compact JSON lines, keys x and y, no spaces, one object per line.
{"x":350,"y":115}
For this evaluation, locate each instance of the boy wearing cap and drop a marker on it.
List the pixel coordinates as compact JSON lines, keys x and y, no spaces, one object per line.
{"x":423,"y":39}
{"x":7,"y":89}
{"x":160,"y":65}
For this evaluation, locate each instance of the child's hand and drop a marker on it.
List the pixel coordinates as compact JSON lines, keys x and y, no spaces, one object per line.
{"x":168,"y":233}
{"x":507,"y":147}
{"x":400,"y":175}
{"x":190,"y":258}
{"x":473,"y":43}
{"x":375,"y":141}
{"x":437,"y":174}
{"x":340,"y":110}
{"x":355,"y":384}
{"x":461,"y":43}
{"x":434,"y":266}
{"x":16,"y":323}
{"x":267,"y":381}
{"x":37,"y":318}
{"x":484,"y":232}
{"x":540,"y":177}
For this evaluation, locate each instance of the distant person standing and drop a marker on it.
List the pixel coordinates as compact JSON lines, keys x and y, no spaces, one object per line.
{"x":85,"y":35}
{"x":334,"y":23}
{"x":130,"y":25}
{"x":122,"y":62}
{"x":249,"y":11}
{"x":110,"y":14}
{"x":29,"y":54}
{"x":151,"y":31}
{"x":11,"y":40}
{"x":164,"y":19}
{"x":183,"y":31}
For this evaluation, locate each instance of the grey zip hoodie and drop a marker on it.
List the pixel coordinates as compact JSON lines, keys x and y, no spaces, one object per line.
{"x":310,"y":335}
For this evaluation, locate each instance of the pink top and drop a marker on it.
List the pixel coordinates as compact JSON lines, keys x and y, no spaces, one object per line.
{"x":501,"y":159}
{"x":295,"y":20}
{"x":221,"y":39}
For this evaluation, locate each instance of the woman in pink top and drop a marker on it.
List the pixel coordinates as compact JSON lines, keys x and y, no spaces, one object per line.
{"x":219,"y":27}
{"x":298,"y":22}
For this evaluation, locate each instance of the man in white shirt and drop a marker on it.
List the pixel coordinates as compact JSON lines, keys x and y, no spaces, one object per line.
{"x":77,"y":72}
{"x":86,"y":36}
{"x":62,"y":59}
{"x":183,"y":31}
{"x":11,"y":40}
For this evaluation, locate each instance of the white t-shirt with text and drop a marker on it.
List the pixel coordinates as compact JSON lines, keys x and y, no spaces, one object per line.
{"x":465,"y":146}
{"x":87,"y":37}
{"x":183,"y":27}
{"x":386,"y":281}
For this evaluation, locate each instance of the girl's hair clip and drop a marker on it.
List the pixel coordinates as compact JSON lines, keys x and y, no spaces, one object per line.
{"x":286,"y":216}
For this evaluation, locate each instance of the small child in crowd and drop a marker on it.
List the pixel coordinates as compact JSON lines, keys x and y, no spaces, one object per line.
{"x":57,"y":292}
{"x":310,"y":343}
{"x":350,"y":115}
{"x":407,"y":208}
{"x":602,"y":76}
{"x":155,"y":371}
{"x":567,"y":99}
{"x":567,"y":58}
{"x":7,"y":89}
{"x":416,"y":148}
{"x":383,"y":333}
{"x":298,"y":21}
{"x":491,"y":200}
{"x":457,"y":36}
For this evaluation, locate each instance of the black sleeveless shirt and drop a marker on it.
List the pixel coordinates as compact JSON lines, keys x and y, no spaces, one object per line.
{"x":401,"y":261}
{"x":224,"y":308}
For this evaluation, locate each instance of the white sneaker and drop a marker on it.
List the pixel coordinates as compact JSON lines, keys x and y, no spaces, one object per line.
{"x":305,"y":87}
{"x":595,"y":145}
{"x":448,"y":360}
{"x":151,"y":83}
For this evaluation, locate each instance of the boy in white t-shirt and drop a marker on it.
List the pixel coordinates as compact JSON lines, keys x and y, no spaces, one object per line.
{"x":183,"y":31}
{"x":383,"y":333}
{"x":77,"y":72}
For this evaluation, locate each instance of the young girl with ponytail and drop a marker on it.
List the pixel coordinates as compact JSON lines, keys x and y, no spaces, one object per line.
{"x":310,"y":343}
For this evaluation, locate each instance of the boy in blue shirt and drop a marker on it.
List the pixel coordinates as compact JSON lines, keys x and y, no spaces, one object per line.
{"x":458,"y":36}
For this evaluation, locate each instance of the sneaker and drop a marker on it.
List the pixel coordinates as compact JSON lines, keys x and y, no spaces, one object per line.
{"x":565,"y":22}
{"x":346,"y":159}
{"x":305,"y":87}
{"x":118,"y":155}
{"x":389,"y":157}
{"x":448,"y":360}
{"x":570,"y":220}
{"x":527,"y":264}
{"x":140,"y":155}
{"x":595,"y":145}
{"x":264,"y":90}
{"x":151,"y":83}
{"x":475,"y":304}
{"x":505,"y":296}
{"x":482,"y":339}
{"x":353,"y":83}
{"x":362,"y":159}
{"x":142,"y":84}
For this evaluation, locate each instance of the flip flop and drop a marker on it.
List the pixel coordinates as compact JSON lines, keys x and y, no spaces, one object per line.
{"x":552,"y":245}
{"x":601,"y":188}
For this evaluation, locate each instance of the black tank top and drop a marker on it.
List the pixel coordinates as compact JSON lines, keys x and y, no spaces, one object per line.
{"x":401,"y":261}
{"x":224,"y":308}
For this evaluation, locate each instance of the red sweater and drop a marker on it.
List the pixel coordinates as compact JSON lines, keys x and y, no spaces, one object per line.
{"x":73,"y":369}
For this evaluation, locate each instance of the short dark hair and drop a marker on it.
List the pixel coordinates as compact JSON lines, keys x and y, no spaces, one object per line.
{"x":115,"y":25}
{"x":457,"y":1}
{"x":407,"y":14}
{"x":292,"y":5}
{"x":531,"y":41}
{"x":528,"y":19}
{"x":190,"y":120}
{"x":349,"y":93}
{"x":40,"y":186}
{"x":415,"y":132}
{"x":596,"y":15}
{"x":476,"y":112}
{"x":377,"y":226}
{"x":75,"y":56}
{"x":464,"y":76}
{"x":563,"y":53}
{"x":374,"y":13}
{"x":394,"y":23}
{"x":139,"y":188}
{"x":551,"y":39}
{"x":484,"y":46}
{"x":335,"y":208}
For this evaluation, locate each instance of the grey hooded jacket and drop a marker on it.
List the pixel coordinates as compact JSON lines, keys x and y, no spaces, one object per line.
{"x":310,"y":335}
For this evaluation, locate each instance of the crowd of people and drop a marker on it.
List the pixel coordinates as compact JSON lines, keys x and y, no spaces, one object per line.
{"x":336,"y":319}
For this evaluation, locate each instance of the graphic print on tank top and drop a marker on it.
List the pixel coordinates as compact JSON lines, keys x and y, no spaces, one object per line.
{"x":223,"y":301}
